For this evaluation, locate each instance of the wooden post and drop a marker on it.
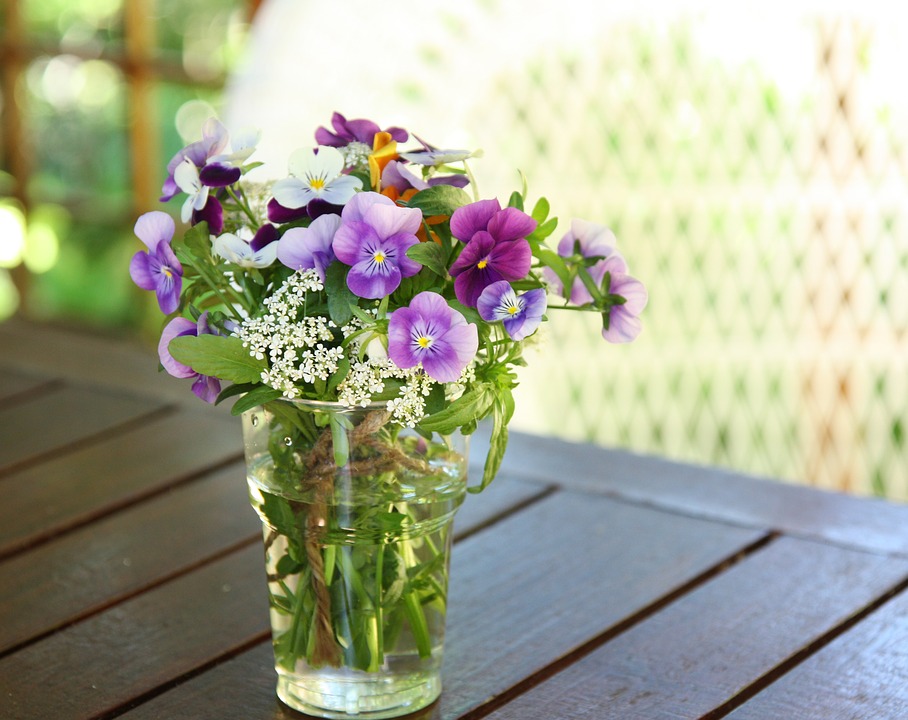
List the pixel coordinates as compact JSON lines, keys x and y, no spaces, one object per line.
{"x":139,"y":26}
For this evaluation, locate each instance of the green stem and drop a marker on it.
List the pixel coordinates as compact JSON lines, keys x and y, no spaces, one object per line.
{"x":217,"y":291}
{"x":296,"y":625}
{"x":473,"y":186}
{"x":243,"y":206}
{"x":379,"y":615}
{"x":418,"y":625}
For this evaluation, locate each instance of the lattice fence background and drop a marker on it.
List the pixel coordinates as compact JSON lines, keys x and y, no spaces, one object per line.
{"x":771,"y":227}
{"x":758,"y":183}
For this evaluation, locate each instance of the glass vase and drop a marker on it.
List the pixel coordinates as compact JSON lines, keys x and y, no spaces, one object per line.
{"x":357,"y":514}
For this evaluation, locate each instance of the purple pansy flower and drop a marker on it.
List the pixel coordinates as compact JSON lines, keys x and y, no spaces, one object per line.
{"x":359,"y":130}
{"x":158,"y":269}
{"x":214,"y":140}
{"x":397,"y":175}
{"x":373,"y":239}
{"x":204,"y":164}
{"x":496,"y":249}
{"x":521,"y":314}
{"x":623,"y":321}
{"x":205,"y":387}
{"x":317,"y":207}
{"x":212,"y":213}
{"x":431,"y":332}
{"x":309,"y":247}
{"x":590,"y":241}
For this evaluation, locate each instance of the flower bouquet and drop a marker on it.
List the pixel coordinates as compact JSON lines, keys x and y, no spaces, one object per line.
{"x":365,"y":312}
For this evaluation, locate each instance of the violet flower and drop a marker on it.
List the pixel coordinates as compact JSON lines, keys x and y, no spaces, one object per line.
{"x":373,"y":239}
{"x":589,"y":240}
{"x":359,"y":130}
{"x":621,"y":322}
{"x":212,"y":213}
{"x":397,"y":175}
{"x":309,"y":247}
{"x":520,"y":314}
{"x":496,"y":249}
{"x":205,"y":387}
{"x":212,"y":166}
{"x":431,"y":332}
{"x":158,"y":269}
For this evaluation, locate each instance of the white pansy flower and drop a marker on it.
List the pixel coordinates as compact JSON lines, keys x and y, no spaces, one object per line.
{"x":316,"y":175}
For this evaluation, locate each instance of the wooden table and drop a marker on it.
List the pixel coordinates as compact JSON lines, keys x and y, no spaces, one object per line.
{"x":586,"y":583}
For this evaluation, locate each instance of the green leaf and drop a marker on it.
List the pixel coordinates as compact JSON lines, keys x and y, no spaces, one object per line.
{"x":439,"y":200}
{"x":259,"y":396}
{"x":540,"y":210}
{"x":431,"y":255}
{"x":218,"y":356}
{"x":501,"y":415}
{"x":553,"y":260}
{"x":280,"y":515}
{"x":543,"y":230}
{"x":235,"y":389}
{"x":471,"y":314}
{"x":472,"y":405}
{"x":198,"y":240}
{"x":516,"y":200}
{"x":340,"y":298}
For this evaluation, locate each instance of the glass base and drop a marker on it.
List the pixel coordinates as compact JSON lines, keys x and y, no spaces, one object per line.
{"x":342,"y":695}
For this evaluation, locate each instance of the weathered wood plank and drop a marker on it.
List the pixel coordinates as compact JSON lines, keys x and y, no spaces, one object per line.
{"x":15,"y":386}
{"x":93,"y":480}
{"x":863,"y":523}
{"x":82,"y":358}
{"x":860,"y":674}
{"x":98,"y":565}
{"x":117,"y":656}
{"x":243,"y":688}
{"x":712,"y":643}
{"x":523,"y":594}
{"x":55,"y":421}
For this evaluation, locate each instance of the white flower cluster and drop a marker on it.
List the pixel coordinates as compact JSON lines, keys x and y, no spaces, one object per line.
{"x":356,"y":154}
{"x":294,"y":346}
{"x":297,"y":352}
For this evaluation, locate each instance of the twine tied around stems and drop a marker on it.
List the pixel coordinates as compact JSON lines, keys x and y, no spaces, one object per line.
{"x":321,"y":472}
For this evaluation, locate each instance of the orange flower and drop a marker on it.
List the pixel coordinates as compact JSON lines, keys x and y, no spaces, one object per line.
{"x":384,"y":150}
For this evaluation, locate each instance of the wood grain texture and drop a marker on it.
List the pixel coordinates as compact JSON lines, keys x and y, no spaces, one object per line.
{"x":132,"y":649}
{"x":57,"y":421}
{"x":65,"y":491}
{"x":99,"y":565}
{"x":72,"y":355}
{"x":16,"y":386}
{"x":861,"y":674}
{"x":560,"y":572}
{"x":862,"y":523}
{"x":693,"y":655}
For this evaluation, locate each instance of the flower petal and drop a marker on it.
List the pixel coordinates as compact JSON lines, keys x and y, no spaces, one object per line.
{"x":339,"y":190}
{"x":623,"y":326}
{"x":466,"y":221}
{"x":219,"y":175}
{"x":154,"y":227}
{"x":291,"y":193}
{"x":177,"y":327}
{"x":511,"y":224}
{"x":140,"y":271}
{"x":388,"y":220}
{"x":373,"y":280}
